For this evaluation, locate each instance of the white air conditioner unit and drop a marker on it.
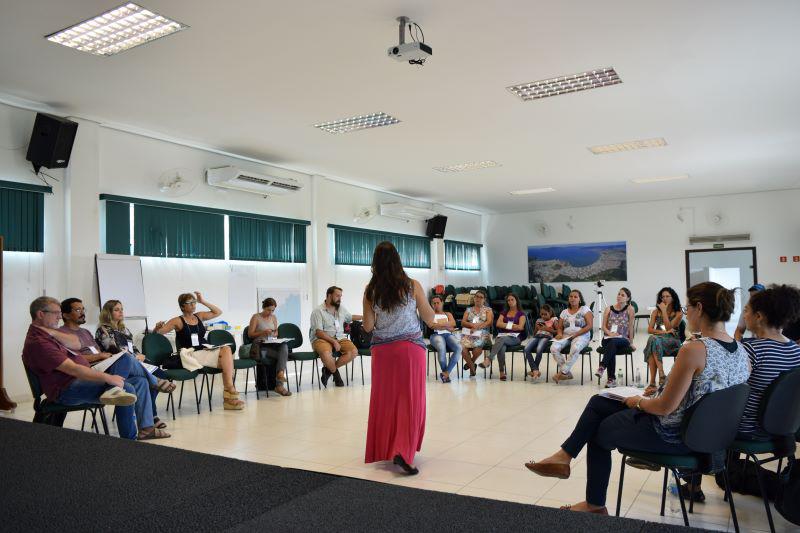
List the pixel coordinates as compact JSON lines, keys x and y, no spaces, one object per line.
{"x":406,"y":211}
{"x":243,"y":180}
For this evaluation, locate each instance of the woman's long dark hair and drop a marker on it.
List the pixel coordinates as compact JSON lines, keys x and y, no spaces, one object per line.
{"x":389,"y":286}
{"x":676,"y":302}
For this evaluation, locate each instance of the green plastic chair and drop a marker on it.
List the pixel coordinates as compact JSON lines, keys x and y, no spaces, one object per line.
{"x":708,"y":427}
{"x":521,"y":347}
{"x":53,"y":413}
{"x":779,"y":415}
{"x":221,"y":336}
{"x":156,"y":349}
{"x":287,"y":330}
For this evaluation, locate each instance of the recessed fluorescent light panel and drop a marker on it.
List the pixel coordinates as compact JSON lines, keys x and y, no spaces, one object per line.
{"x":473,"y":165}
{"x":116,"y":30}
{"x":627,"y":146}
{"x":573,"y":83}
{"x":661,"y":178}
{"x":532,"y":191}
{"x":361,"y":122}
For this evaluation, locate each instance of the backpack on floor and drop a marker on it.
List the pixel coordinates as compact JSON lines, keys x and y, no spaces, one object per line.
{"x":788,"y":499}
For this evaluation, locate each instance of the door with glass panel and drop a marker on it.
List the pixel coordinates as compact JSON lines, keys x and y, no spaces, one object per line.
{"x":730,"y":267}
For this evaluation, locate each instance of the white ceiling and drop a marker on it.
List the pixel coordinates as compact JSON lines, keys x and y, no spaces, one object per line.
{"x":717,"y":79}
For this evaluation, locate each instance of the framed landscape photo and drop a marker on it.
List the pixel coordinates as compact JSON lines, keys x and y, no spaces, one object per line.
{"x":594,"y":261}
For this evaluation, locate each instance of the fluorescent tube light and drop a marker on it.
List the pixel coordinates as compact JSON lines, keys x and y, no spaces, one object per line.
{"x":627,"y":146}
{"x":532,"y":191}
{"x":474,"y":165}
{"x":361,"y":122}
{"x":591,"y":79}
{"x":117,"y":30}
{"x":660,"y":179}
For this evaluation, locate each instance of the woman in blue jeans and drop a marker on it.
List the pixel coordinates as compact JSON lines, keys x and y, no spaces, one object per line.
{"x":617,"y":334}
{"x":713,"y":362}
{"x":443,"y":339}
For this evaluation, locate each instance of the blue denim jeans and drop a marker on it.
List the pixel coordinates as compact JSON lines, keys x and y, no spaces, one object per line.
{"x":137,"y":381}
{"x":538,"y":345}
{"x":442,"y":343}
{"x":152,"y":379}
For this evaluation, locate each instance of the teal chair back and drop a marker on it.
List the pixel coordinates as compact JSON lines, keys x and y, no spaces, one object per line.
{"x":711,"y":423}
{"x":156,"y":348}
{"x":635,"y":307}
{"x":780,"y":409}
{"x":221,"y":336}
{"x":287,"y":330}
{"x":36,"y":386}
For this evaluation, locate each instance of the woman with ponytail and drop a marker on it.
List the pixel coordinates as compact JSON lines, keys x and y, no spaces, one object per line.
{"x":713,"y":362}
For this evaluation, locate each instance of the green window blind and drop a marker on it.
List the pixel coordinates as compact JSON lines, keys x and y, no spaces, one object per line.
{"x":266,"y":240}
{"x":118,"y":228}
{"x":462,"y":255}
{"x":167,"y":232}
{"x":22,"y":216}
{"x":355,"y":246}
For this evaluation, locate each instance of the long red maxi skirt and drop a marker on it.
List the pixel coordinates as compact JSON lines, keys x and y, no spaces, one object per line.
{"x":397,"y":402}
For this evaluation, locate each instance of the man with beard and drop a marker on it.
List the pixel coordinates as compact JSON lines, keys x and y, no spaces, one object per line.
{"x":328,"y":337}
{"x":74,"y":315}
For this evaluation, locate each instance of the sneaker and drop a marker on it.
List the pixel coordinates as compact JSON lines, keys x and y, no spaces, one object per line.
{"x":326,"y":375}
{"x":611,"y":383}
{"x":117,"y":396}
{"x":337,"y":379}
{"x":600,"y":371}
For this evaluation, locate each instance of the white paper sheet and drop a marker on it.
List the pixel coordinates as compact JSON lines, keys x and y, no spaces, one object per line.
{"x":621,"y":393}
{"x":103,"y":365}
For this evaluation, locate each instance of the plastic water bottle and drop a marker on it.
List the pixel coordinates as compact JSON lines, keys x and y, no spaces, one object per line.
{"x":674,"y":502}
{"x":620,"y":377}
{"x":639,"y":383}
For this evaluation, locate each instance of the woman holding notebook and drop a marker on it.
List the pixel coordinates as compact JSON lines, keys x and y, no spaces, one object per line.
{"x":713,"y":362}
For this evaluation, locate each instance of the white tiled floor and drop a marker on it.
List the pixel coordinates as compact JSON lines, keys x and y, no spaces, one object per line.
{"x":479,"y":433}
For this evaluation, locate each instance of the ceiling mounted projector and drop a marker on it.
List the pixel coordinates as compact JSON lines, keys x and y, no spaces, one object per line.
{"x":415,"y":52}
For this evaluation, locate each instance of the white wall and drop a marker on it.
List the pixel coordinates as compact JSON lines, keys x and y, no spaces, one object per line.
{"x":106,"y":160}
{"x":656,"y":239}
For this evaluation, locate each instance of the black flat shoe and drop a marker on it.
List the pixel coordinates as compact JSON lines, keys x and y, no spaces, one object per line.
{"x":326,"y":375}
{"x":689,"y":494}
{"x":408,"y":469}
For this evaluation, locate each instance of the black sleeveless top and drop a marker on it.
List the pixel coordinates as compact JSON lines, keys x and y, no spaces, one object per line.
{"x":183,"y":338}
{"x":624,"y":308}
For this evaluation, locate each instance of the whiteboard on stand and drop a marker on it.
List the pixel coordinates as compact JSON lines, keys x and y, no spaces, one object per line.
{"x":119,"y":277}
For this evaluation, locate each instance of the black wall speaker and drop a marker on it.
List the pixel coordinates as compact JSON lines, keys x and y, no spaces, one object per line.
{"x":51,"y":142}
{"x":435,"y":229}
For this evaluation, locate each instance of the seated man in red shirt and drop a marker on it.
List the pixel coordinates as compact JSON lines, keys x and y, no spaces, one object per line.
{"x":66,"y":377}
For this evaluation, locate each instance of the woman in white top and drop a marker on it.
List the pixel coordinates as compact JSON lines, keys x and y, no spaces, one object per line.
{"x":574,"y":332}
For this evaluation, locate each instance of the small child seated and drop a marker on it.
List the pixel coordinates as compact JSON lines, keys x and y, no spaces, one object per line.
{"x":544,"y":329}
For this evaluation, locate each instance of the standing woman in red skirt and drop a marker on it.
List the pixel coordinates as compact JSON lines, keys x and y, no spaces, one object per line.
{"x":397,"y":400}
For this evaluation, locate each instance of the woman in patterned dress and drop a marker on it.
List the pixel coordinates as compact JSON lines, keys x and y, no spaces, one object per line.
{"x":664,"y":340}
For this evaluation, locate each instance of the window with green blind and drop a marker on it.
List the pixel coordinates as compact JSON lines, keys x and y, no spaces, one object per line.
{"x":355,"y":246}
{"x":166,"y":232}
{"x":462,"y":255}
{"x":253,"y":239}
{"x":22,"y":216}
{"x":162,"y":229}
{"x":118,"y":228}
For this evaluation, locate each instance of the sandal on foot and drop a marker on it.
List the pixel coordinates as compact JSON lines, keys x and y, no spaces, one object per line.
{"x":165,"y":386}
{"x":661,"y":380}
{"x":154,"y":433}
{"x":283,"y":391}
{"x":230,"y":395}
{"x":232,"y":405}
{"x":282,"y":378}
{"x":158,"y":423}
{"x":650,"y":390}
{"x":502,"y":377}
